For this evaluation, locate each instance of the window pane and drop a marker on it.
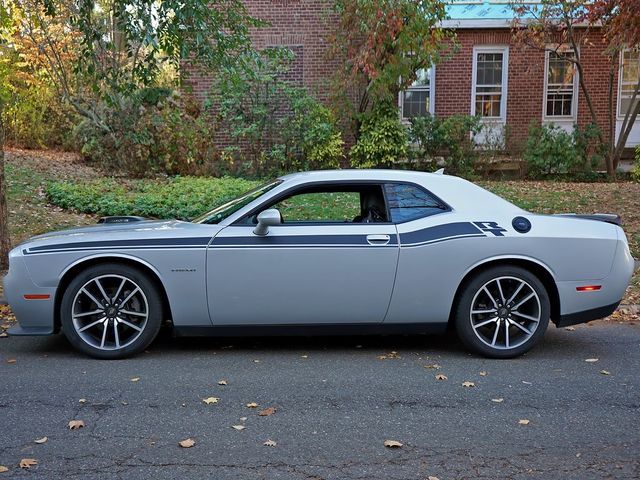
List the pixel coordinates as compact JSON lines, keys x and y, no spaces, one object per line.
{"x":489,"y":69}
{"x":489,"y":84}
{"x":320,"y":207}
{"x":630,"y":74}
{"x":423,"y":78}
{"x":561,"y":70}
{"x":408,"y":202}
{"x":415,"y":103}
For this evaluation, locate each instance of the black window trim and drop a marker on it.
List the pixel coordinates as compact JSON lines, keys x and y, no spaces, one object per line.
{"x":241,"y":222}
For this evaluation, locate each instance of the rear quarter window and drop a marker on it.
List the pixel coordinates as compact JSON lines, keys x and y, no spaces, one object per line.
{"x":408,"y":202}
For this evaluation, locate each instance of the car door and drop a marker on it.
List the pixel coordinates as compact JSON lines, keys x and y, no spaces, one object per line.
{"x":317,"y":267}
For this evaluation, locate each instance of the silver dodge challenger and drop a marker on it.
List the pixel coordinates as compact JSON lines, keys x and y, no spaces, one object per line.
{"x":349,"y":251}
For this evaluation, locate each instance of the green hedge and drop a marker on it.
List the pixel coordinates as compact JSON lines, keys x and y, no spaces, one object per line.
{"x":177,"y":197}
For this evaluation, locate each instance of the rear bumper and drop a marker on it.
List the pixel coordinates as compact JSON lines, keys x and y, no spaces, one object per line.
{"x":586,"y":315}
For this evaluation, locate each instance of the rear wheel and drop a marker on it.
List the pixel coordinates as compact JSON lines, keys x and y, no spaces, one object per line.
{"x":111,"y":311}
{"x":502,"y":312}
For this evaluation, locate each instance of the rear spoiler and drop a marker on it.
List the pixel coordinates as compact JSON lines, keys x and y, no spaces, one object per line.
{"x":121,"y":219}
{"x":600,"y":217}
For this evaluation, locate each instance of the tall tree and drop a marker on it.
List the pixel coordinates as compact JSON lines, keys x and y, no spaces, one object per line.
{"x":554,"y":24}
{"x":383,"y":44}
{"x":98,"y":53}
{"x":5,"y":243}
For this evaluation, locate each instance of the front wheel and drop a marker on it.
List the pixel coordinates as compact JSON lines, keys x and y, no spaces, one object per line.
{"x":111,"y":311}
{"x":502,"y":312}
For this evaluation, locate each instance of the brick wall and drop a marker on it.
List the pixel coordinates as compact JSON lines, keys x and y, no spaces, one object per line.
{"x":304,"y":25}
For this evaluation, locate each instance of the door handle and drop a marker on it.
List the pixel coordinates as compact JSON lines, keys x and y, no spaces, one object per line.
{"x":378,"y":239}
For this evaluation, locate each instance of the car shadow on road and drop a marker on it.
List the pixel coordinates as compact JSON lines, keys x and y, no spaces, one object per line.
{"x":557,"y":343}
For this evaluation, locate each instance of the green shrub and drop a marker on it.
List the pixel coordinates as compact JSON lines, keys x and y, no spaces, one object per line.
{"x":635,"y":173}
{"x":550,"y":150}
{"x":34,"y":118}
{"x":451,"y":138}
{"x":383,"y":139}
{"x":176,"y":197}
{"x":277,"y":128}
{"x":156,"y":131}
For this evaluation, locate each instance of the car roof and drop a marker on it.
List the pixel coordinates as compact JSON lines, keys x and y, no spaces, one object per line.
{"x":360,"y":174}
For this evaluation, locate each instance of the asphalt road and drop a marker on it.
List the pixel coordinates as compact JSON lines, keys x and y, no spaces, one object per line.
{"x":336,"y":403}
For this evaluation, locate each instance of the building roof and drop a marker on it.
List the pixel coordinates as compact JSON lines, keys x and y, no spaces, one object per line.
{"x":480,"y":13}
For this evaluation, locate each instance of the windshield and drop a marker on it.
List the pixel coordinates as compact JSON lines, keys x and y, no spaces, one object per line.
{"x":223,"y":211}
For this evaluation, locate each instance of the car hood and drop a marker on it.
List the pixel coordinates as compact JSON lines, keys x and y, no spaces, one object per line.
{"x":147,"y":229}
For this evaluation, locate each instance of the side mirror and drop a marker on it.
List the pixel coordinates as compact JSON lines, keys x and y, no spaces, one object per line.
{"x":267,"y":218}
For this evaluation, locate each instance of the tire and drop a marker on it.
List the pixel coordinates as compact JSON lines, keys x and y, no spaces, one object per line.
{"x":502,"y":312}
{"x":97,"y":322}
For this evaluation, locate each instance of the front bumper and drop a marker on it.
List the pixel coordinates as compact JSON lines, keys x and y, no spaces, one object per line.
{"x":36,"y":317}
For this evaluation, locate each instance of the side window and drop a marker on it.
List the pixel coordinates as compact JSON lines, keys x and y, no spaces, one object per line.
{"x":333,"y":204}
{"x":320,"y":207}
{"x":408,"y":202}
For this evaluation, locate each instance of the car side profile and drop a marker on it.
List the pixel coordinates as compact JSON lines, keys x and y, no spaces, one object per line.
{"x":346,"y":251}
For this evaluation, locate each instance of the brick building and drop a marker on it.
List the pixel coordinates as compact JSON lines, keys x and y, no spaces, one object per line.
{"x":491,"y":76}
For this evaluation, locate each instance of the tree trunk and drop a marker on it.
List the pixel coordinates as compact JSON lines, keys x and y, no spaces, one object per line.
{"x":5,"y":245}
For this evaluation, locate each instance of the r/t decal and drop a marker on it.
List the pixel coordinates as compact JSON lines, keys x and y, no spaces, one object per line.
{"x":491,"y":227}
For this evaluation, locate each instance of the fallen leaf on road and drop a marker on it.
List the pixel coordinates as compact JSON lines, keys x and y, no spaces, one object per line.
{"x":433,"y":366}
{"x":41,"y":440}
{"x":243,"y":419}
{"x":591,"y":360}
{"x":570,"y":329}
{"x":440,"y":376}
{"x":12,"y":360}
{"x":210,"y":400}
{"x":430,"y":477}
{"x":187,"y":443}
{"x":76,"y":424}
{"x":468,"y":384}
{"x":269,"y":443}
{"x":82,"y":400}
{"x":135,"y":379}
{"x":392,"y":444}
{"x":28,"y":462}
{"x":605,"y":372}
{"x":222,"y":382}
{"x":523,"y":421}
{"x":483,"y":374}
{"x":267,"y":411}
{"x":238,"y":427}
{"x":388,"y":355}
{"x":497,"y":400}
{"x":252,"y":405}
{"x":3,"y":469}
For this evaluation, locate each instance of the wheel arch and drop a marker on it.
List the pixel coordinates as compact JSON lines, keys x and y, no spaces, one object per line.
{"x":541,"y":271}
{"x":75,"y":268}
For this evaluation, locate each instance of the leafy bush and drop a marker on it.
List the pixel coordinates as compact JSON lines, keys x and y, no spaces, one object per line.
{"x":550,"y":150}
{"x":635,"y":173}
{"x":276,"y":127}
{"x":177,"y":197}
{"x":383,"y":139}
{"x":34,"y":118}
{"x":156,"y":130}
{"x":452,"y":138}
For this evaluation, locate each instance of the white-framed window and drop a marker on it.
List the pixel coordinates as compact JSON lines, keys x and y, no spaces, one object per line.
{"x":418,"y":99}
{"x":560,"y":86}
{"x":489,"y":82}
{"x":629,"y":74}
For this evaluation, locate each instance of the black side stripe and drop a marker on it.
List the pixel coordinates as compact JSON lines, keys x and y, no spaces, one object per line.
{"x":440,"y":233}
{"x":197,"y":242}
{"x":298,"y":241}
